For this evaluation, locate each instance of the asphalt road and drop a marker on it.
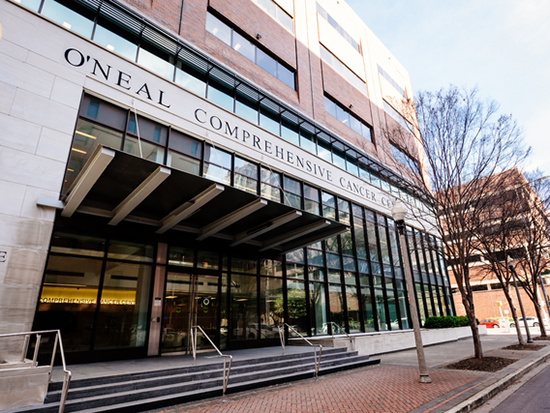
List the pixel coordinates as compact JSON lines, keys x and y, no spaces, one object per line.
{"x":532,"y":397}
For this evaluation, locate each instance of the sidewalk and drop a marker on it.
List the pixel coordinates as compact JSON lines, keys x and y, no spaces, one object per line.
{"x":392,"y":386}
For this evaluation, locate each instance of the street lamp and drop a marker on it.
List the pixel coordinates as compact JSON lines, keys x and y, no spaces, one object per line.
{"x":510,"y":263}
{"x":398,"y":211}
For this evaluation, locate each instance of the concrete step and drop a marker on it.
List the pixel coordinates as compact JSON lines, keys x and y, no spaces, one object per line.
{"x":161,"y":388}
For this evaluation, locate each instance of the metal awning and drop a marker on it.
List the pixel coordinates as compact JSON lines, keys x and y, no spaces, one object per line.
{"x":122,"y":187}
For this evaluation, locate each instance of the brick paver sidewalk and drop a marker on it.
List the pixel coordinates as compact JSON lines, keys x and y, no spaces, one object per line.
{"x":383,"y":389}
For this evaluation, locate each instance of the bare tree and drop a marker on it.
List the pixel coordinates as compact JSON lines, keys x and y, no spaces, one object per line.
{"x":459,"y":144}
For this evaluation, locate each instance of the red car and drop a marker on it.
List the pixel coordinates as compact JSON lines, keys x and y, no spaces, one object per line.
{"x":490,"y":323}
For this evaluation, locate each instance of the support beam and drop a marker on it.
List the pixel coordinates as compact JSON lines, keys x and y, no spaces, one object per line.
{"x":233,"y":217}
{"x":86,"y":179}
{"x":318,"y":236}
{"x":190,"y":207}
{"x":262,"y":229}
{"x":139,"y":194}
{"x":299,"y":232}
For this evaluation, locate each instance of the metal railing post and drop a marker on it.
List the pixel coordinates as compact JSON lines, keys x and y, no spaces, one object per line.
{"x":317,"y":359}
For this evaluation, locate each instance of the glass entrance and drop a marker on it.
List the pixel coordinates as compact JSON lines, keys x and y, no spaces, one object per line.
{"x":190,"y":300}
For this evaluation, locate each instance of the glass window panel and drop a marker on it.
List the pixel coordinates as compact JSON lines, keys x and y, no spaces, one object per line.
{"x":315,"y":257}
{"x":364,"y":279}
{"x":336,"y":304}
{"x":366,"y":301}
{"x":366,"y":132}
{"x":218,"y":29}
{"x":347,"y":243}
{"x":352,"y":168}
{"x":147,"y":129}
{"x":266,"y":62}
{"x":191,"y":79}
{"x":181,"y":256}
{"x":297,"y":307}
{"x":349,"y":264}
{"x":294,"y":270}
{"x":354,"y":317}
{"x":217,"y":173}
{"x":316,"y":274}
{"x":244,"y":167}
{"x":79,"y":19}
{"x":293,"y":186}
{"x":103,"y":112}
{"x":392,"y":308}
{"x":116,"y":39}
{"x":218,"y":157}
{"x":156,"y":60}
{"x":183,"y":163}
{"x":208,"y":260}
{"x":77,"y":244}
{"x":330,"y":106}
{"x":363,"y":266}
{"x":271,"y":307}
{"x":185,"y":144}
{"x":221,"y":95}
{"x":286,"y":76}
{"x":338,"y":159}
{"x":317,"y":308}
{"x":246,"y":108}
{"x":360,"y":243}
{"x":324,"y":152}
{"x":289,"y":132}
{"x":334,"y":276}
{"x":421,"y":302}
{"x":285,"y":20}
{"x":130,"y":251}
{"x":272,"y":268}
{"x":349,"y":275}
{"x":332,"y":244}
{"x":312,"y":207}
{"x":373,"y":245}
{"x":307,"y":141}
{"x":147,"y":151}
{"x":292,"y":200}
{"x":244,"y":265}
{"x":376,"y":268}
{"x":243,"y":46}
{"x":244,"y":307}
{"x":270,"y":120}
{"x":68,"y":300}
{"x":246,"y":184}
{"x":333,"y":261}
{"x":270,"y":192}
{"x":31,"y":4}
{"x":86,"y":138}
{"x":342,"y":115}
{"x":296,"y":256}
{"x":311,"y":193}
{"x":356,"y":125}
{"x":123,"y":316}
{"x":380,"y":310}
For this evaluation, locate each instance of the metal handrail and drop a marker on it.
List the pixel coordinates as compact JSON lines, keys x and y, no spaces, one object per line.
{"x":194,"y":347}
{"x":317,"y":359}
{"x":68,"y":374}
{"x":332,"y":323}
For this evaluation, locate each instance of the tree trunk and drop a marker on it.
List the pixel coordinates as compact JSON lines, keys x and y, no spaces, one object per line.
{"x":478,"y":352}
{"x":514,"y":315}
{"x":541,"y":320}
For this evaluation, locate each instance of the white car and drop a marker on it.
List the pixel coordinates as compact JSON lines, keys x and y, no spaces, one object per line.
{"x":531,"y":322}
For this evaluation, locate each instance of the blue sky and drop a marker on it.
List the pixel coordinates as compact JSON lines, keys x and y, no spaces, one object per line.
{"x":500,"y":46}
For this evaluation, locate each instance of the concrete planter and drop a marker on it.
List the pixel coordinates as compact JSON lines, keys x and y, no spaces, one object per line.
{"x":390,"y":341}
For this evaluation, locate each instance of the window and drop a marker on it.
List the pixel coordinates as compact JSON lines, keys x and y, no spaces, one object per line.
{"x":392,"y":82}
{"x":338,"y":28}
{"x":246,"y":175}
{"x":397,"y":117}
{"x":249,"y":50}
{"x":342,"y":69}
{"x":217,"y":165}
{"x":348,"y":119}
{"x":277,"y":13}
{"x":271,"y":185}
{"x":293,"y":193}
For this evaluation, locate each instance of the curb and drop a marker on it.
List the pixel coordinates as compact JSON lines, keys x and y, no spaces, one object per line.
{"x":488,"y":393}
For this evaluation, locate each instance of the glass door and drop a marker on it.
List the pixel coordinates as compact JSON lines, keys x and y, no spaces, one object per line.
{"x":190,"y":300}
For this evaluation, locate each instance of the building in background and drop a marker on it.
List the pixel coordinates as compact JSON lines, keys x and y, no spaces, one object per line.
{"x":167,"y":164}
{"x":516,"y":225}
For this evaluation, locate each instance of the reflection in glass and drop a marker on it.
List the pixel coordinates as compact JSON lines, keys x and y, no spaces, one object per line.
{"x":401,"y":299}
{"x":317,"y":308}
{"x":336,"y":307}
{"x":123,"y":313}
{"x":68,"y":300}
{"x":380,"y":309}
{"x":144,"y":149}
{"x":131,"y":251}
{"x":271,"y":307}
{"x":353,"y":310}
{"x":366,"y":301}
{"x":66,"y":243}
{"x":297,"y":306}
{"x":116,"y":39}
{"x":244,"y":308}
{"x":79,"y":20}
{"x":156,"y":60}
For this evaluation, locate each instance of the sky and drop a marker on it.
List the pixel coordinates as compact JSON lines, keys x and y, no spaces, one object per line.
{"x":500,"y":46}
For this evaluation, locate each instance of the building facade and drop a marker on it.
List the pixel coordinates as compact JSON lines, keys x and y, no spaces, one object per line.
{"x":222,"y":164}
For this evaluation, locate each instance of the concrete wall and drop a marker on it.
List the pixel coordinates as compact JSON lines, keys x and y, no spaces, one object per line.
{"x":38,"y":107}
{"x":387,"y":342}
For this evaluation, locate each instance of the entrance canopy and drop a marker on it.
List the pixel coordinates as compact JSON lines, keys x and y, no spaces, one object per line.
{"x":123,"y":187}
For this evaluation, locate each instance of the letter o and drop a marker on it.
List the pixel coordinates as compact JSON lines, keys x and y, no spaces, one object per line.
{"x":212,"y":122}
{"x":82,"y":58}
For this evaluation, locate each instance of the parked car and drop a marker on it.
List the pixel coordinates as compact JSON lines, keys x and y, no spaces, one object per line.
{"x":531,"y":322}
{"x":490,"y":323}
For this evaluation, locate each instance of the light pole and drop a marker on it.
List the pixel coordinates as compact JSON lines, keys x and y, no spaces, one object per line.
{"x":398,"y":212}
{"x":510,"y":263}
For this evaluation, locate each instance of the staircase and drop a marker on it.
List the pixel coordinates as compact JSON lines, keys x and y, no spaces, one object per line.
{"x":136,"y":392}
